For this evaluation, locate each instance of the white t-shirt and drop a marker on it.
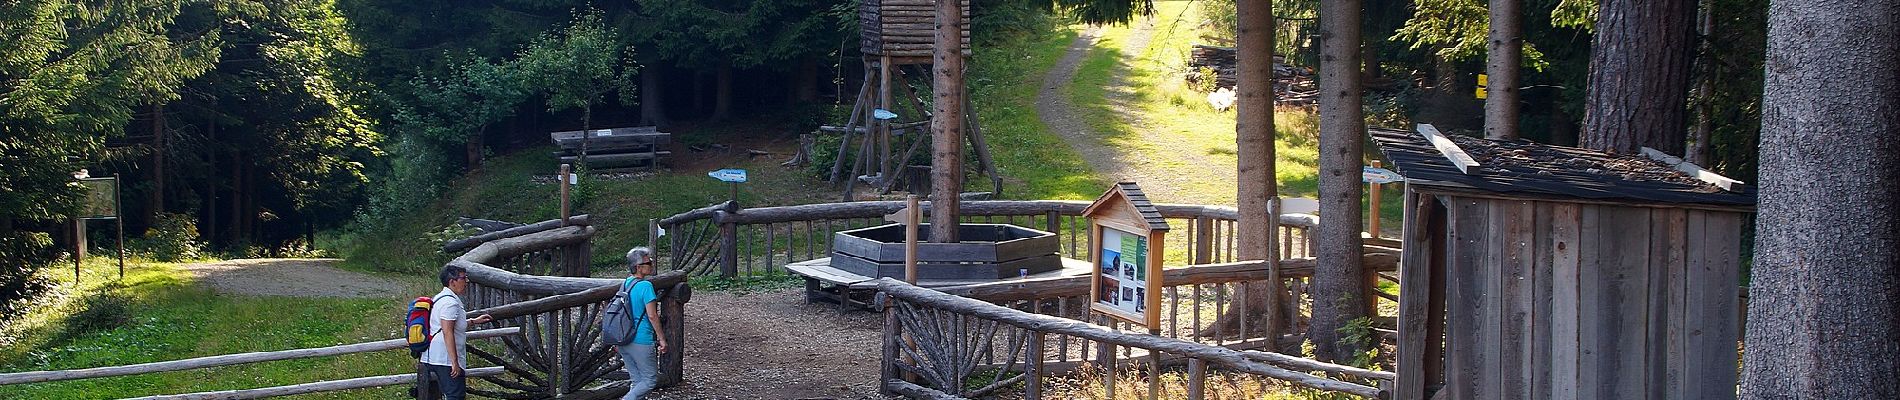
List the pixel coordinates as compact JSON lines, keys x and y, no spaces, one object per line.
{"x":447,"y":306}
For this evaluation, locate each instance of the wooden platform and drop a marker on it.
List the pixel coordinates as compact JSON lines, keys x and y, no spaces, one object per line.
{"x":850,"y":290}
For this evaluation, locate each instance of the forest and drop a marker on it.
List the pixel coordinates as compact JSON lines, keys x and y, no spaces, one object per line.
{"x":246,"y":127}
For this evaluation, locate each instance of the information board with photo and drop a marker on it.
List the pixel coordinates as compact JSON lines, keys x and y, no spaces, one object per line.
{"x":1124,"y":267}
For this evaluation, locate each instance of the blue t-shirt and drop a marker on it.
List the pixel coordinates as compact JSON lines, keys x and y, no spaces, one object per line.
{"x":637,"y":299}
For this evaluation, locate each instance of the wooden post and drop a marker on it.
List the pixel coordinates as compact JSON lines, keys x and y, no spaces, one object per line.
{"x":118,"y":216}
{"x":1375,"y":204}
{"x":653,"y":235}
{"x":1154,"y":359}
{"x":79,"y":247}
{"x":883,"y":141}
{"x":1032,"y":379}
{"x":728,"y":246}
{"x":912,"y":213}
{"x":1276,"y":287}
{"x":563,"y":184}
{"x":887,"y":368}
{"x":673,"y":316}
{"x":1105,"y":356}
{"x":946,"y":161}
{"x":1196,"y":379}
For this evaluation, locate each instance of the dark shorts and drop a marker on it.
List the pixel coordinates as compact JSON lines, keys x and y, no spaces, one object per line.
{"x":435,"y":383}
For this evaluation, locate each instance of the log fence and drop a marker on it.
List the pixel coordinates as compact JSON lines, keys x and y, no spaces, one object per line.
{"x":949,"y":346}
{"x":729,"y":241}
{"x":533,"y":280}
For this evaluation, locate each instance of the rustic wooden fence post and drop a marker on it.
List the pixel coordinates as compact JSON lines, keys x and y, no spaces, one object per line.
{"x":1032,"y":381}
{"x":887,"y":366}
{"x":1196,"y":379}
{"x":728,"y":244}
{"x":673,"y":316}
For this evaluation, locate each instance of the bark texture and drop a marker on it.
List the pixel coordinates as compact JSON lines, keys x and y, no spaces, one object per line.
{"x":1823,"y":320}
{"x":1639,"y":76}
{"x":1337,"y":292}
{"x":946,"y":124}
{"x":652,"y":97}
{"x":1253,"y":134}
{"x":1504,"y":60}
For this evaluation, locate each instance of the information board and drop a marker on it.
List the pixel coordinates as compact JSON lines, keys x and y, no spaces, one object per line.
{"x":102,"y":198}
{"x":1123,"y":287}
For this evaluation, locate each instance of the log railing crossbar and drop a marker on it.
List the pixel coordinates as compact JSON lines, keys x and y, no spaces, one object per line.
{"x":939,"y":336}
{"x":549,"y":331}
{"x":730,"y":241}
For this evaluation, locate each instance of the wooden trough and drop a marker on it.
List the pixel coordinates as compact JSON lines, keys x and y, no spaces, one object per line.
{"x":1544,"y":272}
{"x":988,"y":251}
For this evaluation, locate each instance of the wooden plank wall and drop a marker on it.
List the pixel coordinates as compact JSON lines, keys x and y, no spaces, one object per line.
{"x":1552,"y":300}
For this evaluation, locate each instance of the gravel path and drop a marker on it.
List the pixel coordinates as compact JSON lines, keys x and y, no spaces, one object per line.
{"x":298,"y":277}
{"x":773,"y":345}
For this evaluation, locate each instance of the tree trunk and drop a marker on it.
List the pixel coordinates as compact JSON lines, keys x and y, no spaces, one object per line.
{"x":156,"y":203}
{"x":1705,"y":63}
{"x":1448,"y":104}
{"x":722,"y":92}
{"x":651,"y":97}
{"x":1504,"y":59}
{"x":1254,"y":136}
{"x":1822,"y":321}
{"x":946,"y":124}
{"x":587,"y":132}
{"x":806,"y":91}
{"x":472,"y":147}
{"x":1337,"y":280}
{"x":1639,"y":76}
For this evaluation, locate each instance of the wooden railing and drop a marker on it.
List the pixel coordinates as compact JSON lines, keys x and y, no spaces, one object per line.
{"x":548,"y":327}
{"x":948,"y":344}
{"x":1193,"y":300}
{"x":558,"y":354}
{"x":730,"y":241}
{"x":247,"y":358}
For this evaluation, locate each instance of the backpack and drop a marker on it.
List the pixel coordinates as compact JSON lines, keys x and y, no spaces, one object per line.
{"x":616,"y":328}
{"x":416,"y":326}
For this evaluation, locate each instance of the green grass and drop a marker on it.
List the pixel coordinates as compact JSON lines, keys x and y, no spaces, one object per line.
{"x":162,"y":316}
{"x":1036,"y":163}
{"x":505,"y":189}
{"x":1108,"y":87}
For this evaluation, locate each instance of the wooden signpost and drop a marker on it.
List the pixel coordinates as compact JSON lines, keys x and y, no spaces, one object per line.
{"x":910,"y":216}
{"x":1127,"y":236}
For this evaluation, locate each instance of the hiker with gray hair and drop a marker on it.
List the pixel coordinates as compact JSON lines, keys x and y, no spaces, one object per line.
{"x":629,"y":324}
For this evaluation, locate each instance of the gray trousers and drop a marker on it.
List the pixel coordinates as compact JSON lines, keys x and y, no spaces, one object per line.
{"x":642,"y":369}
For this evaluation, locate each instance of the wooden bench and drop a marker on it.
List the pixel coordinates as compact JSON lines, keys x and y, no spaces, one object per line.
{"x":614,"y":147}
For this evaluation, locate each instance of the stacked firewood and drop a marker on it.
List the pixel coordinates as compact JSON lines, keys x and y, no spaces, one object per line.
{"x":1294,"y":85}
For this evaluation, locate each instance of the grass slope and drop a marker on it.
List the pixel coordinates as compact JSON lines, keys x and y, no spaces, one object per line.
{"x":157,"y":314}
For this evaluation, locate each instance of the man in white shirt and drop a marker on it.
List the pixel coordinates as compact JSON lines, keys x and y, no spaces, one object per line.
{"x":444,"y":361}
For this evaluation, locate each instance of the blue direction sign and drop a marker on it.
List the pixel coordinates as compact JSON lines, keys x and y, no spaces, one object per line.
{"x":1380,"y":175}
{"x":883,"y":114}
{"x":733,"y":175}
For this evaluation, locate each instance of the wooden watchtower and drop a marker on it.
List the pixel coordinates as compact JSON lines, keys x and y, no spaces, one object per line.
{"x":1546,"y":272}
{"x":898,"y":36}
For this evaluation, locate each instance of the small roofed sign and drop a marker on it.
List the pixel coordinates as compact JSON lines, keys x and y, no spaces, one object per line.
{"x":1129,"y":233}
{"x":733,"y":175}
{"x":1380,"y":175}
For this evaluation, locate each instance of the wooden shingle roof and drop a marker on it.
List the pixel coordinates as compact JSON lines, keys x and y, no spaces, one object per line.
{"x":1133,"y":194}
{"x":1534,"y":169}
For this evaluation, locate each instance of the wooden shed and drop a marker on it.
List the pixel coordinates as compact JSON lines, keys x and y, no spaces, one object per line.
{"x":904,"y":28}
{"x":1544,"y":272}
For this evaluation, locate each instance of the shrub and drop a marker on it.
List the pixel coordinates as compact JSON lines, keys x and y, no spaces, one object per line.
{"x":22,"y":254}
{"x":172,"y":237}
{"x":106,"y":310}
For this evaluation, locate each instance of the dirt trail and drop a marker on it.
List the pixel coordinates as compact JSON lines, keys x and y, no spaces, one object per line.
{"x":296,"y":277}
{"x":1162,"y":178}
{"x":771,"y":345}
